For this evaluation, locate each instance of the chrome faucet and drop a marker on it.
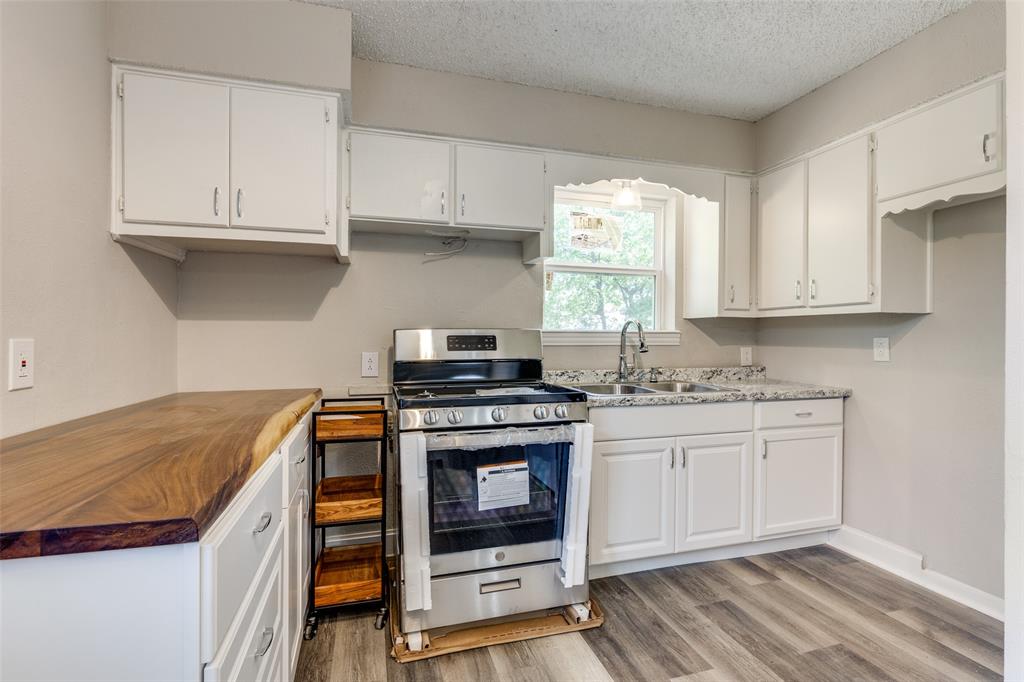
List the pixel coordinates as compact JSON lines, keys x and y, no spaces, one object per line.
{"x":640,"y":348}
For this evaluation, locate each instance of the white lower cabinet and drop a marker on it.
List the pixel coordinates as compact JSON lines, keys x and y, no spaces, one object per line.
{"x":632,"y":500}
{"x":670,"y":495}
{"x":799,"y":479}
{"x":713,"y":485}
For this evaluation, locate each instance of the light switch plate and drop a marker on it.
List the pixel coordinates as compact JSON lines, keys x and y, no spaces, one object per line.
{"x":371,"y":364}
{"x":21,"y":368}
{"x":881,"y":348}
{"x":746,"y":356}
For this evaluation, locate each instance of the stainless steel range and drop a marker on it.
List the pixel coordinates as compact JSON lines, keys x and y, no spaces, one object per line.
{"x":494,"y":470}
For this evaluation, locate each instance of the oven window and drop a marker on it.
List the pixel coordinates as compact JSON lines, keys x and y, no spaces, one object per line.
{"x":457,"y":523}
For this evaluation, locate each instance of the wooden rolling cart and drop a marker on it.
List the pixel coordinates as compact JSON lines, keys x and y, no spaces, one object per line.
{"x":348,"y":575}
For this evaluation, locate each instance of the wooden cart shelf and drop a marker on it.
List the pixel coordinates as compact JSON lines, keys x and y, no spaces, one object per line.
{"x":348,"y":575}
{"x":348,"y":423}
{"x":349,"y":499}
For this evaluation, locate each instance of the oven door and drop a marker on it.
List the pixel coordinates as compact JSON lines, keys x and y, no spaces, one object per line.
{"x":474,"y":500}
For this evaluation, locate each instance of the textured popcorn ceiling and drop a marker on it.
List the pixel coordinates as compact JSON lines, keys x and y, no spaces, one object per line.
{"x":737,"y":58}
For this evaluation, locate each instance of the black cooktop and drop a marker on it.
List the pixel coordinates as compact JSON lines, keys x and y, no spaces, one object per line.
{"x":461,"y":395}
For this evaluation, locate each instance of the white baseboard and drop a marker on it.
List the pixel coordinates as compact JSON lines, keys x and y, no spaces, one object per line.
{"x":714,"y":554}
{"x":909,"y":565}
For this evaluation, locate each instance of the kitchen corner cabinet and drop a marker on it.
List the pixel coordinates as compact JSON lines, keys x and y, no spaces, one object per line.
{"x":212,"y":164}
{"x":782,"y":237}
{"x":419,"y":185}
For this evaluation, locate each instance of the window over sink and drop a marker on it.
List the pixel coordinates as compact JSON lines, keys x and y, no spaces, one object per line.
{"x":610,"y":264}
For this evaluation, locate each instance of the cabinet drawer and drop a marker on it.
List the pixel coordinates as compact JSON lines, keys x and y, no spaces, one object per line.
{"x":234,"y":548}
{"x":669,"y":421}
{"x":295,"y":451}
{"x":788,"y":413}
{"x":255,"y":638}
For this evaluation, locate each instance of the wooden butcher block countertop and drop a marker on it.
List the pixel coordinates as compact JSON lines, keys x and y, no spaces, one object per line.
{"x":154,"y":473}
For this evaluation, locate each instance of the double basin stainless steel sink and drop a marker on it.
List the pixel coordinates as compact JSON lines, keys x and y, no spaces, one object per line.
{"x":645,"y":388}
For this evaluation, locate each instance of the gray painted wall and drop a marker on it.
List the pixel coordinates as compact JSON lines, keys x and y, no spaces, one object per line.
{"x":102,"y":315}
{"x":924,"y":432}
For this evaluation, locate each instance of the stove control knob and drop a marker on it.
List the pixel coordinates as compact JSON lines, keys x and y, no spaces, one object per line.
{"x":499,"y":414}
{"x":455,"y":417}
{"x":540,"y":412}
{"x":430,"y":417}
{"x":561,"y":411}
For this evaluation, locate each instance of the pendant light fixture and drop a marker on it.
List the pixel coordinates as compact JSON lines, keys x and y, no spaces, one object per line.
{"x":625,"y":197}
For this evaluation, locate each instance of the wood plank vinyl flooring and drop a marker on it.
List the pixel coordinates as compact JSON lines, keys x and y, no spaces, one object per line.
{"x":811,"y":614}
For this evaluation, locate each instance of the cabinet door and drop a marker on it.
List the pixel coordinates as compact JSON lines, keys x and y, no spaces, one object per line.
{"x":798,"y":480}
{"x":174,"y":137}
{"x":283,"y":160}
{"x":713,"y":490}
{"x":839,"y":225}
{"x":399,"y":178}
{"x":632,"y":500}
{"x":737,"y":295}
{"x":781,"y":197}
{"x":499,"y":187}
{"x":952,"y":141}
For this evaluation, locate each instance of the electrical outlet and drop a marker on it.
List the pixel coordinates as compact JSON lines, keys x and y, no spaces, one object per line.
{"x":746,"y":356}
{"x":21,"y":371}
{"x":371,"y":364}
{"x":881,"y":348}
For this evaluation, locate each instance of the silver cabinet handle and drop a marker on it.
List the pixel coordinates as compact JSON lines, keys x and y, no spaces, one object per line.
{"x":442,"y":203}
{"x":732,"y":293}
{"x":216,"y":201}
{"x":463,"y":200}
{"x":264,"y":523}
{"x":300,"y":461}
{"x":672,"y":462}
{"x":984,"y":146}
{"x":764,"y":449}
{"x":238,"y":202}
{"x":682,"y":458}
{"x":814,"y":289}
{"x":799,"y":290}
{"x":265,"y":641}
{"x":807,"y":413}
{"x":305,"y":504}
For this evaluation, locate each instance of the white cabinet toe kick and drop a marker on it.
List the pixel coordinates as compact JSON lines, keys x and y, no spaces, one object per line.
{"x":669,"y":480}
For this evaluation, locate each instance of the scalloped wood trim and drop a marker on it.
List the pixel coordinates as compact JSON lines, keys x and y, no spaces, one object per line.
{"x":963,"y":192}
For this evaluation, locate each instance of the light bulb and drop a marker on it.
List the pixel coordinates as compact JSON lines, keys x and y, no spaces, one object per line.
{"x":626,"y":198}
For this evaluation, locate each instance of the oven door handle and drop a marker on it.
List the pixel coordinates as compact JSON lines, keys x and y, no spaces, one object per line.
{"x":481,"y":440}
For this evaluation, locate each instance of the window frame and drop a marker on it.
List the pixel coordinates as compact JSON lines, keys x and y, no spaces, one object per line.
{"x":662,"y":333}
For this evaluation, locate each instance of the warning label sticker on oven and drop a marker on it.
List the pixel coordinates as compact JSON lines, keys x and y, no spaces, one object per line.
{"x":503,"y":485}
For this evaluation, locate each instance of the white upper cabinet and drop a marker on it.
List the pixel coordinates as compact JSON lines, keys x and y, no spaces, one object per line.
{"x":737,"y":294}
{"x":500,"y":187}
{"x":220,"y":165}
{"x":781,"y":237}
{"x":839,"y":214}
{"x":399,"y":178}
{"x":954,"y":140}
{"x":175,"y":150}
{"x":282,"y":144}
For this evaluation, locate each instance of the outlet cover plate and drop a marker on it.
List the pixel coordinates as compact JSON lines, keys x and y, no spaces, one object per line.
{"x":371,"y":364}
{"x":21,"y":368}
{"x":881,"y":348}
{"x":746,"y":356}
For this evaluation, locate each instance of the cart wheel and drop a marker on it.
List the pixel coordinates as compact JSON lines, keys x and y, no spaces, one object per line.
{"x":311,"y":627}
{"x":382,"y":617}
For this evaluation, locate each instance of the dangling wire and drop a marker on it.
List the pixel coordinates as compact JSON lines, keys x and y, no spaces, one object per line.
{"x":455,"y":241}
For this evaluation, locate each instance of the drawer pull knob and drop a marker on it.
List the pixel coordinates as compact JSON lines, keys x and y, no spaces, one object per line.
{"x":300,"y":461}
{"x":265,"y":641}
{"x":804,"y":414}
{"x":264,"y":523}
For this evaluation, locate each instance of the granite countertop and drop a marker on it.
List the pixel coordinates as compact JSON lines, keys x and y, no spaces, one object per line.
{"x":153,"y":473}
{"x":744,"y":383}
